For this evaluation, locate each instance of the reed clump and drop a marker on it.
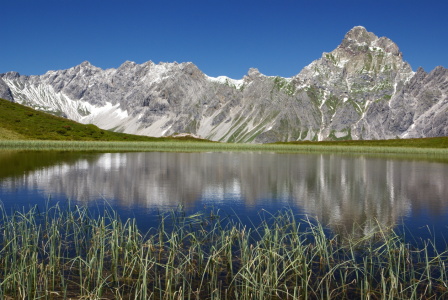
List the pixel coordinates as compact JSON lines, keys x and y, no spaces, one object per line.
{"x":72,"y":253}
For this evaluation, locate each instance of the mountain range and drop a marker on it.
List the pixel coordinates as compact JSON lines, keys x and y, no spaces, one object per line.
{"x":363,"y":89}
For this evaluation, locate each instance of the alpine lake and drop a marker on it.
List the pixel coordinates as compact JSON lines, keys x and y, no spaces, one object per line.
{"x":230,"y":235}
{"x":345,"y":193}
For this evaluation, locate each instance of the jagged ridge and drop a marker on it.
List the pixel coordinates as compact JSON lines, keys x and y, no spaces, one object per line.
{"x":361,"y":90}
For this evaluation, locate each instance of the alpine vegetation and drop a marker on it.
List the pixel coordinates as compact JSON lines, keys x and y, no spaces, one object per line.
{"x":363,"y":89}
{"x":75,"y":254}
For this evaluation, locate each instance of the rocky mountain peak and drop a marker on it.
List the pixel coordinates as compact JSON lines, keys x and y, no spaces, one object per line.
{"x":358,"y":39}
{"x":85,"y":68}
{"x":11,"y":75}
{"x":253,"y":73}
{"x":86,"y":65}
{"x":360,"y":35}
{"x":360,"y":54}
{"x":420,"y":72}
{"x":127,"y":64}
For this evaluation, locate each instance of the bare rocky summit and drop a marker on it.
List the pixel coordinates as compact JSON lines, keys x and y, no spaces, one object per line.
{"x":361,"y":90}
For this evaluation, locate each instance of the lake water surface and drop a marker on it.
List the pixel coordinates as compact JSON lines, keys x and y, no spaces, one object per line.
{"x":338,"y":190}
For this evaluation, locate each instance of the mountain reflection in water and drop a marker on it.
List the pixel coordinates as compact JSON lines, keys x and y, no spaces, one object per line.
{"x":338,"y":190}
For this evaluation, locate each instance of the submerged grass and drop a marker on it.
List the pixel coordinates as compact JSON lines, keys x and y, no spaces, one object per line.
{"x":71,"y":253}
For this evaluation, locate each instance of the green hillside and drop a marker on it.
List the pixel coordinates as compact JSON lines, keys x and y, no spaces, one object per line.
{"x":20,"y":122}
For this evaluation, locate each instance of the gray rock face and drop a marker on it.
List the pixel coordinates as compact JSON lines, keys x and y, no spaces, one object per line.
{"x":5,"y":92}
{"x":420,"y":109}
{"x":361,"y":90}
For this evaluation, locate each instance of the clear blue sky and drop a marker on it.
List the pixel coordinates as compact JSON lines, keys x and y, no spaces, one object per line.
{"x":222,"y":37}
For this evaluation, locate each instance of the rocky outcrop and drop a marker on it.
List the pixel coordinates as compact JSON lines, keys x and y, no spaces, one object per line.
{"x":361,"y":90}
{"x":420,"y":109}
{"x":5,"y":92}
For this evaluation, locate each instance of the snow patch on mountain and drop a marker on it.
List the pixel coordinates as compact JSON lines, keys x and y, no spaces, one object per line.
{"x":237,"y":83}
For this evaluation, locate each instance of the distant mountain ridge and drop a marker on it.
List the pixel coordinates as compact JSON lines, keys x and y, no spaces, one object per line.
{"x":361,"y":90}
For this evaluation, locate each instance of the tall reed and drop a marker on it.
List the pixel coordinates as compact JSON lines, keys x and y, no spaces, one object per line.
{"x":66,"y":253}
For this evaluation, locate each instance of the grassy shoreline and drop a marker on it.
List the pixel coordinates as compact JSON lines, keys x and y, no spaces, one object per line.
{"x":194,"y":146}
{"x":70,"y":253}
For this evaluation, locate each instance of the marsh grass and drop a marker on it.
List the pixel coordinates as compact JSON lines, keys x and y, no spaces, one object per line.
{"x":71,"y":253}
{"x":200,"y":146}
